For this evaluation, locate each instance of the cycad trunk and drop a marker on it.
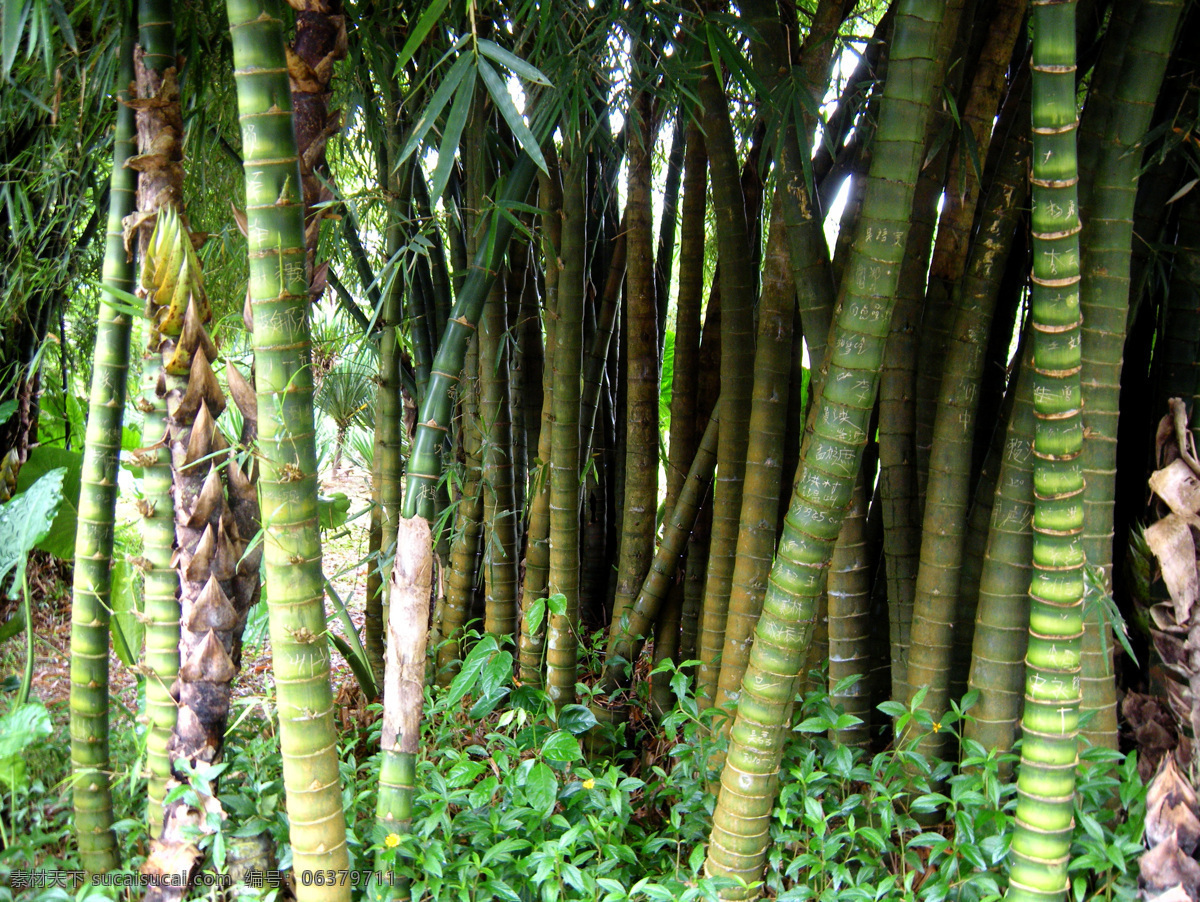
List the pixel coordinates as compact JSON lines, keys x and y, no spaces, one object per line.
{"x":1046,"y":777}
{"x":292,"y":544}
{"x":831,"y":459}
{"x":91,"y":603}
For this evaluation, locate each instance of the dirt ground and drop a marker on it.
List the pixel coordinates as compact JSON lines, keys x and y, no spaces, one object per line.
{"x":343,"y":552}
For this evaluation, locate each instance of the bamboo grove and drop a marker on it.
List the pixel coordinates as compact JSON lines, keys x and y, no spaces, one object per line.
{"x":785,"y":342}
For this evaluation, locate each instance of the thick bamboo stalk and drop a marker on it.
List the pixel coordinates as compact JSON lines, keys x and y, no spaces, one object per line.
{"x":1107,"y":247}
{"x":1046,"y":776}
{"x":764,"y":456}
{"x":949,"y":482}
{"x":532,"y":644}
{"x":1002,"y":617}
{"x":288,"y":481}
{"x":831,"y":459}
{"x":92,"y":600}
{"x":641,"y":368}
{"x":160,"y":183}
{"x":738,"y":295}
{"x":562,"y":639}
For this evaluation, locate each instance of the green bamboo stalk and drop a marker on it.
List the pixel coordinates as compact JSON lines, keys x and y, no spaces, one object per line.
{"x":831,"y":459}
{"x":849,"y":593}
{"x":949,"y":482}
{"x":499,"y":502}
{"x":1050,"y":722}
{"x":462,"y":581}
{"x":160,"y":132}
{"x":1107,"y":247}
{"x":641,"y":368}
{"x":738,"y":295}
{"x":764,"y":455}
{"x":904,"y":468}
{"x":684,"y":386}
{"x":562,"y":638}
{"x":91,"y":602}
{"x":424,"y":465}
{"x":957,"y":217}
{"x":1002,"y":618}
{"x":288,"y":481}
{"x":625,"y":646}
{"x":537,"y":550}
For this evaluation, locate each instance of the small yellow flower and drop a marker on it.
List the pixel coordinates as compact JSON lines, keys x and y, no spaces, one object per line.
{"x":589,"y":783}
{"x":392,"y":840}
{"x":937,"y":727}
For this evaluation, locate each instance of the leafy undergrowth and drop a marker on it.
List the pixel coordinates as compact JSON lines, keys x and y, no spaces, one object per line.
{"x":515,"y":803}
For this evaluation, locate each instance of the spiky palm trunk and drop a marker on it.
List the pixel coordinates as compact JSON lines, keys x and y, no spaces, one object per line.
{"x":292,"y":543}
{"x":91,"y":601}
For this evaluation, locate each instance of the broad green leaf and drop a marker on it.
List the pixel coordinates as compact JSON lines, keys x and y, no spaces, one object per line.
{"x":455,"y":123}
{"x":471,"y":668}
{"x":541,"y":787}
{"x":420,"y":30}
{"x":24,"y":521}
{"x":7,"y":409}
{"x":333,"y":509}
{"x":60,"y":540}
{"x":576,"y":719}
{"x":20,"y":728}
{"x":534,"y":615}
{"x":127,"y":630}
{"x":437,"y":103}
{"x":561,"y":746}
{"x":509,"y":60}
{"x":499,"y":91}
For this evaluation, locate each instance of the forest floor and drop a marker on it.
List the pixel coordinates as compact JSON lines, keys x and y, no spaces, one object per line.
{"x":344,"y":551}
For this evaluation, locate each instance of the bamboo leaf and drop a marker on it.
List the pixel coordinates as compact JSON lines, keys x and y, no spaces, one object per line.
{"x":508,"y":110}
{"x":420,"y":31}
{"x":455,"y":123}
{"x":519,"y":67}
{"x":436,"y":104}
{"x":15,"y":13}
